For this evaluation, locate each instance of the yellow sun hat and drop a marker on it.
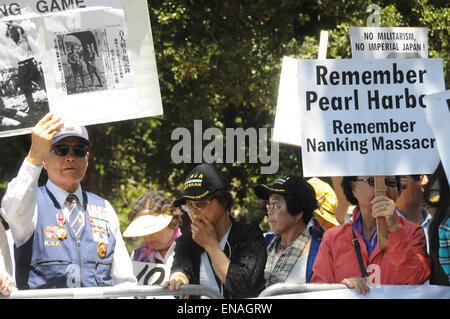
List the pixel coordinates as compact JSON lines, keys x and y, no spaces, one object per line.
{"x":327,"y":200}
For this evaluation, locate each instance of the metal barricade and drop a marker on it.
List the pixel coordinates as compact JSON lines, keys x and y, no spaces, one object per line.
{"x":286,"y":289}
{"x":111,"y":292}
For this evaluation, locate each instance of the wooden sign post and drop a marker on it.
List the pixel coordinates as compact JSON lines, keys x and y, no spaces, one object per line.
{"x":382,"y":229}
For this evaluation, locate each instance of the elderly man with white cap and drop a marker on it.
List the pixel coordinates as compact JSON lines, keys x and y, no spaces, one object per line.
{"x":63,"y":236}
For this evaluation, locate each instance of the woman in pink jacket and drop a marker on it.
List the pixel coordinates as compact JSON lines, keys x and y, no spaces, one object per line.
{"x":349,"y":253}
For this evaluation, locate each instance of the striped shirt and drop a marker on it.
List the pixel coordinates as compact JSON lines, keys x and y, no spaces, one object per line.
{"x":444,"y":246}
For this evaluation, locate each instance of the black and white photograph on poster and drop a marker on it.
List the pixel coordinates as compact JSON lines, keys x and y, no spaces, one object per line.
{"x":91,"y":65}
{"x":81,"y":61}
{"x":93,"y":60}
{"x":23,"y":97}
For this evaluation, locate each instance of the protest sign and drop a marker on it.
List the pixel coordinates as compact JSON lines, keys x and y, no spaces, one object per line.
{"x":148,"y":274}
{"x":367,"y":118}
{"x":438,"y":116}
{"x":287,"y":116}
{"x":89,"y":61}
{"x":24,"y":9}
{"x":388,"y":42}
{"x":151,"y":273}
{"x":366,"y":42}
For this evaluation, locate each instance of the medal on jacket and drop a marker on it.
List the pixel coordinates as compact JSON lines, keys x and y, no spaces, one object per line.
{"x":61,"y":233}
{"x":102,"y":248}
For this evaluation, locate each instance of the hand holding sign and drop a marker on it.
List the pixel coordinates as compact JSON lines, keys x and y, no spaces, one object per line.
{"x":41,"y":138}
{"x":382,"y":228}
{"x":383,"y":210}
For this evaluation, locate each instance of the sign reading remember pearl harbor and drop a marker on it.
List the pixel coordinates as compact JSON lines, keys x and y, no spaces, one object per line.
{"x":367,"y":118}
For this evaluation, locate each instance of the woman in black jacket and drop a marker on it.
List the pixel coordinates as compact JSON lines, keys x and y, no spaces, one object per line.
{"x":219,"y":252}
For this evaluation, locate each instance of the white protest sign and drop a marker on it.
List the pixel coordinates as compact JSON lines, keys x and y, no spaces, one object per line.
{"x":24,"y":9}
{"x":151,"y":273}
{"x":287,"y":117}
{"x":96,"y":57}
{"x":438,"y":116}
{"x":367,"y":118}
{"x":388,"y":42}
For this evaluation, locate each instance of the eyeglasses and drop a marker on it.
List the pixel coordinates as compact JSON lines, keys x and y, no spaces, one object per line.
{"x":196,"y":206}
{"x":274,"y":207}
{"x":63,"y":150}
{"x":371,"y":181}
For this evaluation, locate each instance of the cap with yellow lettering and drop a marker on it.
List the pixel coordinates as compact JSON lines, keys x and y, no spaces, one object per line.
{"x":202,"y":182}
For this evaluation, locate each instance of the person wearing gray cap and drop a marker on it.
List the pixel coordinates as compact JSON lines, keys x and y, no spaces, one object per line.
{"x":63,"y":236}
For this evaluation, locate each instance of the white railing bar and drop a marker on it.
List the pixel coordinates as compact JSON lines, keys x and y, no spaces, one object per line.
{"x":285,"y":289}
{"x":110,"y":292}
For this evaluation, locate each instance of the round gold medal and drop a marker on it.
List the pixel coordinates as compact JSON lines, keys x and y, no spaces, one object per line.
{"x":61,"y":233}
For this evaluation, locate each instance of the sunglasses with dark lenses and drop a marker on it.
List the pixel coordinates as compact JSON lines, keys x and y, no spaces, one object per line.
{"x":63,"y":150}
{"x":371,"y":181}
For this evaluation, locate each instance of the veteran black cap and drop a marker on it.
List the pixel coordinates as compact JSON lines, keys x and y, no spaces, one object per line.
{"x":203,"y":181}
{"x":290,"y":184}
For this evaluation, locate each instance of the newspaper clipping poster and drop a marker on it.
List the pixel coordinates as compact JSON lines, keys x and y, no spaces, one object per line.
{"x":88,"y":61}
{"x":91,"y":56}
{"x":99,"y":53}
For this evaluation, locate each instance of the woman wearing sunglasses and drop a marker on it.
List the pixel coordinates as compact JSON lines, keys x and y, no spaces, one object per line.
{"x":65,"y":236}
{"x":349,"y":253}
{"x":219,"y":252}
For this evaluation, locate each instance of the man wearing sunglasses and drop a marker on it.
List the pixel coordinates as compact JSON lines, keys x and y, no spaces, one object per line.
{"x":63,"y":236}
{"x":411,"y":202}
